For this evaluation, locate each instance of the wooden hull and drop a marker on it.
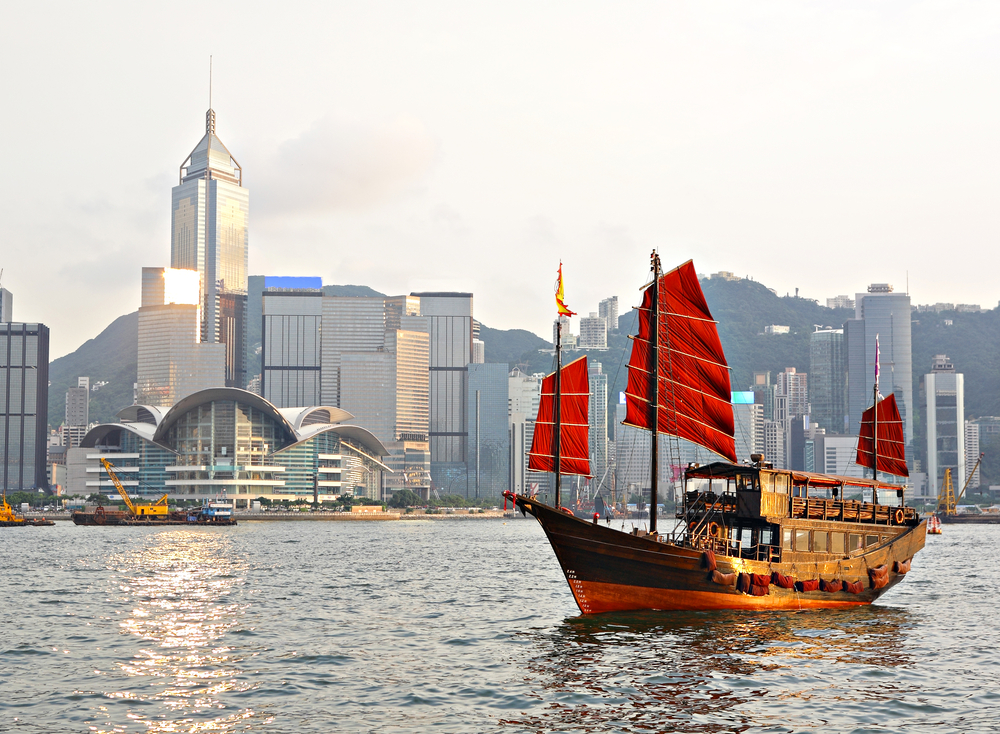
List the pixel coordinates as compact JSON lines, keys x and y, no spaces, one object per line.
{"x":609,"y":571}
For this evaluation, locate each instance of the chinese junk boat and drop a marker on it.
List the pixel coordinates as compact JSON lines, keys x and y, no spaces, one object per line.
{"x":748,"y":536}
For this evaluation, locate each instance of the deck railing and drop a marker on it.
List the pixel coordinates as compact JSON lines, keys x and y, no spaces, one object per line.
{"x":700,"y":506}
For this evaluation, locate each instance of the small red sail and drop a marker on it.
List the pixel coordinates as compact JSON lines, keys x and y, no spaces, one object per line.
{"x":692,"y":374}
{"x":891,"y":444}
{"x":574,"y":442}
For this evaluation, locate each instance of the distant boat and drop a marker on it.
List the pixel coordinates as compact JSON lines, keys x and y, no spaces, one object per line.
{"x":10,"y":519}
{"x":211,"y":512}
{"x":748,"y":536}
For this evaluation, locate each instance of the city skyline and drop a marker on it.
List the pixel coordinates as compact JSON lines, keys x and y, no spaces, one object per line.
{"x":399,"y":154}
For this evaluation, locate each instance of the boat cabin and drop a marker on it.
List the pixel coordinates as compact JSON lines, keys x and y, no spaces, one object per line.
{"x":757,"y":512}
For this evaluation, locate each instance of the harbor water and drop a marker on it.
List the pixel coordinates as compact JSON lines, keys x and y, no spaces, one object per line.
{"x":459,"y":626}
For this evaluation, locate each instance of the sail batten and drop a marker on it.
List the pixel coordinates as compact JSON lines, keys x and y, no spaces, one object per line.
{"x":692,"y":374}
{"x":574,"y":432}
{"x":891,"y":441}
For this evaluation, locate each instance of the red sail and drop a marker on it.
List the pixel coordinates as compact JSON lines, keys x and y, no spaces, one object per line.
{"x":891,"y":444}
{"x":692,"y":375}
{"x":574,"y":442}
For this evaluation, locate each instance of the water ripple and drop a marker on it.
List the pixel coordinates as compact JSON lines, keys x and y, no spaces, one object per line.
{"x":458,"y":627}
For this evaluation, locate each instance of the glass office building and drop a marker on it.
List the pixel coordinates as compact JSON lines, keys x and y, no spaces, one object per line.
{"x":489,"y":435}
{"x":209,"y":233}
{"x":172,"y":359}
{"x":828,"y":379}
{"x":449,"y":320}
{"x":24,"y":405}
{"x":227,"y":440}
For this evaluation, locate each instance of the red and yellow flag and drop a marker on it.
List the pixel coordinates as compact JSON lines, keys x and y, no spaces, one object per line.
{"x":560,"y":304}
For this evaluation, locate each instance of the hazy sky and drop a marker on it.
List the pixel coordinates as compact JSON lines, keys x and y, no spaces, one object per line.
{"x":471,"y":145}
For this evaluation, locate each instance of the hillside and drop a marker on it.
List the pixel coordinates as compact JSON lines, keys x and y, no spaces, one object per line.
{"x":109,"y":357}
{"x":509,"y":346}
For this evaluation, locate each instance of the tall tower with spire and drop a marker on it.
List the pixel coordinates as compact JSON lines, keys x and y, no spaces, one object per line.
{"x":209,"y":233}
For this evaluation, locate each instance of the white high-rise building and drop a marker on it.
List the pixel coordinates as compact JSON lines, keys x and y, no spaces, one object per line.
{"x":608,"y":310}
{"x":593,"y":332}
{"x":209,"y":233}
{"x":972,"y":454}
{"x":598,"y":428}
{"x":523,"y":396}
{"x":77,"y":413}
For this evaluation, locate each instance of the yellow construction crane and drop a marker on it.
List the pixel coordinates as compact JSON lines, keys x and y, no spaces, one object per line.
{"x":155,"y":509}
{"x":947,"y":502}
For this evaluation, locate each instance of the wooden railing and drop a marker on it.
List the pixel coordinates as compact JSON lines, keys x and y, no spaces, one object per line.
{"x":817,"y":508}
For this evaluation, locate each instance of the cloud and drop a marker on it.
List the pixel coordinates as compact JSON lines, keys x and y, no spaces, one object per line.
{"x":340,"y":165}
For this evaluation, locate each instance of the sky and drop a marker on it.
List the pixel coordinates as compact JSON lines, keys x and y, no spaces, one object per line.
{"x":466,"y":146}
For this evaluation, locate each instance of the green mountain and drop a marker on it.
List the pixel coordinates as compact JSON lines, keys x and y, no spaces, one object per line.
{"x":509,"y":346}
{"x":110,"y":357}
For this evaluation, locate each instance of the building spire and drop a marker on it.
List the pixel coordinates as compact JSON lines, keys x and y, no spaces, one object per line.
{"x":210,"y":115}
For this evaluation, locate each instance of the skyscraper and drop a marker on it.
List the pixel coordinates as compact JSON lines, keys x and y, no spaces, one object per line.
{"x":449,"y":318}
{"x":523,"y":395}
{"x":24,"y":405}
{"x":173,"y":362}
{"x":6,"y":306}
{"x":945,"y":391}
{"x":885,"y":314}
{"x":972,"y":454}
{"x":489,"y":431}
{"x":598,"y":428}
{"x":828,"y":379}
{"x":77,"y":413}
{"x":291,"y":346}
{"x":209,"y":233}
{"x":593,"y":332}
{"x":608,"y":309}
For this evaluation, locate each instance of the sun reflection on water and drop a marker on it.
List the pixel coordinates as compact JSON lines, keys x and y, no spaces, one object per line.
{"x":180,"y":593}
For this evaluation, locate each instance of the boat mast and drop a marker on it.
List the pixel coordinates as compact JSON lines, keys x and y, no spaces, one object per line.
{"x":654,"y":404}
{"x":875,"y":442}
{"x":875,"y":428}
{"x":557,"y":412}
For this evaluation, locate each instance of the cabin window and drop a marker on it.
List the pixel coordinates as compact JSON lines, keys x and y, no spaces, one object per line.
{"x":746,"y":536}
{"x":855,"y":542}
{"x":799,"y":490}
{"x":837,"y":543}
{"x":766,"y":536}
{"x":786,"y":538}
{"x":780,"y":483}
{"x":871,"y":540}
{"x":820,"y":544}
{"x":801,"y":540}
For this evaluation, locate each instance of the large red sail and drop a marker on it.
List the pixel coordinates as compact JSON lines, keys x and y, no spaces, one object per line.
{"x":574,"y":442}
{"x":692,"y":374}
{"x":891,"y":444}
